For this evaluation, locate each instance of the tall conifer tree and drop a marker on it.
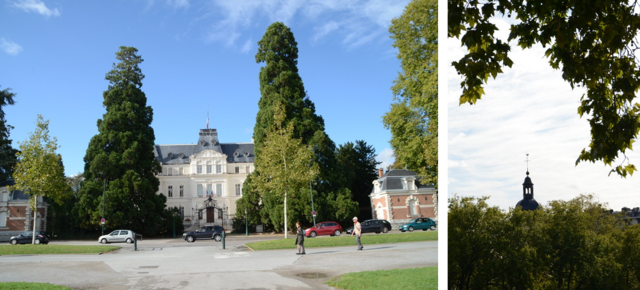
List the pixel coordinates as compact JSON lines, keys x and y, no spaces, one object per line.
{"x":7,"y":152}
{"x":121,"y":156}
{"x":281,"y":83}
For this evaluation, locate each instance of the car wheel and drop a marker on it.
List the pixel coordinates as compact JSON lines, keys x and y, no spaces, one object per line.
{"x":411,"y":229}
{"x":313,"y":234}
{"x":385,"y":230}
{"x":129,"y":241}
{"x":336,"y":233}
{"x":14,"y":242}
{"x":103,"y":241}
{"x":433,"y":228}
{"x":217,"y":238}
{"x":37,"y":242}
{"x":190,"y":239}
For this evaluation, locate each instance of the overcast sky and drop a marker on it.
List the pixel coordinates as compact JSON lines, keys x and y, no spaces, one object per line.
{"x":199,"y":57}
{"x":528,"y":109}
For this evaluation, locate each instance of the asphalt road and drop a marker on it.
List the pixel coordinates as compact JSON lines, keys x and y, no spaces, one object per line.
{"x":176,"y":264}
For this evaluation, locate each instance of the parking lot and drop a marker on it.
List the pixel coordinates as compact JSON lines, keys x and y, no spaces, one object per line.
{"x":176,"y":264}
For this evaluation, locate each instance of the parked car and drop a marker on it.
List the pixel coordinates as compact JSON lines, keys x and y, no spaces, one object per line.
{"x":419,"y":224}
{"x":118,"y":236}
{"x":27,"y":237}
{"x":324,"y":228}
{"x":206,"y":232}
{"x":373,"y":226}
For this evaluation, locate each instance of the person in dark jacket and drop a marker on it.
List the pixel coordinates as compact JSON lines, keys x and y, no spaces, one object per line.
{"x":300,"y":239}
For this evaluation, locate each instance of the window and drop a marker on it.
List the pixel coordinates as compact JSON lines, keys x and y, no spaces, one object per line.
{"x":237,"y":169}
{"x":412,"y":207}
{"x":218,"y":168}
{"x":208,"y":168}
{"x":248,"y":169}
{"x":181,"y":190}
{"x":219,"y":189}
{"x":209,"y":189}
{"x":181,"y":171}
{"x":199,"y":169}
{"x":200,"y":189}
{"x":170,"y":191}
{"x":238,"y":189}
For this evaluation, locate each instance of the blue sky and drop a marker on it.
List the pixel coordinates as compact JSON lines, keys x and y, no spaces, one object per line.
{"x":199,"y":57}
{"x":528,"y":109}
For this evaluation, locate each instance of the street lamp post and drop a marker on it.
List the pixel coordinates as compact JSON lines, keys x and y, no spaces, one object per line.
{"x":246,"y":224}
{"x":104,"y":189}
{"x":313,"y":210}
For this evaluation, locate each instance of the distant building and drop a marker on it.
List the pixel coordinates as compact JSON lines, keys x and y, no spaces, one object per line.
{"x":204,"y":179}
{"x":16,"y":215}
{"x":527,"y":202}
{"x":398,"y":196}
{"x":633,"y":215}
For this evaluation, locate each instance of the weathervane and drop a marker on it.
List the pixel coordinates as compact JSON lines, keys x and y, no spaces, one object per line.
{"x":527,"y":163}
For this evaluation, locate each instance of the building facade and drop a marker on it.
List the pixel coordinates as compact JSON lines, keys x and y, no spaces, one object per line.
{"x":204,"y":179}
{"x":398,"y":196}
{"x":16,"y":215}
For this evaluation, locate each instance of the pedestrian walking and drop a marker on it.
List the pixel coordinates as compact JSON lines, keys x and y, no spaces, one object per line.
{"x":300,"y":239}
{"x":357,"y":230}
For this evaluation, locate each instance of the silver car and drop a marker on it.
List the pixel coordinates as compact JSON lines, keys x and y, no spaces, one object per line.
{"x":117,"y":236}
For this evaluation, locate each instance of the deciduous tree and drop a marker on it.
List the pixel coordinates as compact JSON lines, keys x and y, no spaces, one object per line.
{"x":413,"y":119}
{"x":39,"y":170}
{"x":284,"y":167}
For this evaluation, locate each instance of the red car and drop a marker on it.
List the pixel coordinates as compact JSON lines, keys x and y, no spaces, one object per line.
{"x":324,"y":228}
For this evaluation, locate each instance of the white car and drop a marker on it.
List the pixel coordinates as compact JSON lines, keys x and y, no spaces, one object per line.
{"x":117,"y":236}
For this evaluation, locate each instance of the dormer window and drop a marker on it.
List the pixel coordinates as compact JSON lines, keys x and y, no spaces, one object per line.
{"x":235,"y":154}
{"x":181,"y":155}
{"x":246,"y":154}
{"x":170,"y":155}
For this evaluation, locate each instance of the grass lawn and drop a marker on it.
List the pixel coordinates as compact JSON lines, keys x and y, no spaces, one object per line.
{"x":417,"y":278}
{"x":30,"y":286}
{"x":53,"y":249}
{"x":345,"y":240}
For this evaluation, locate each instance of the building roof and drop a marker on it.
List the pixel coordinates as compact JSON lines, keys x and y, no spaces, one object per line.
{"x":15,"y":194}
{"x":208,"y":140}
{"x":392,"y":180}
{"x":528,"y":204}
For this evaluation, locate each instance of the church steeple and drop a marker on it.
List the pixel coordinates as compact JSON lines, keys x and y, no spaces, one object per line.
{"x":527,"y":202}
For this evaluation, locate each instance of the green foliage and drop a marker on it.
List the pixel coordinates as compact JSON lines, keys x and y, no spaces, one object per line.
{"x":413,"y":120}
{"x":416,"y":278}
{"x":39,"y":171}
{"x":30,"y":286}
{"x":574,"y":244}
{"x":121,"y":155}
{"x":53,"y":249}
{"x":7,"y":152}
{"x":281,"y":85}
{"x":284,"y":166}
{"x":357,"y":166}
{"x":346,"y":240}
{"x":591,"y":42}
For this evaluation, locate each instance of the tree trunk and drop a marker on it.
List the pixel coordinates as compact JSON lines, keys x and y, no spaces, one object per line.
{"x":35,"y":211}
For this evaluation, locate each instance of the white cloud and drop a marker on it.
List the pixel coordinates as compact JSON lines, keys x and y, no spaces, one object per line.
{"x":10,"y":47}
{"x":246,"y":47}
{"x":527,"y":109}
{"x":365,"y":18}
{"x":386,"y":157}
{"x":179,"y":3}
{"x":36,"y":6}
{"x":325,"y":29}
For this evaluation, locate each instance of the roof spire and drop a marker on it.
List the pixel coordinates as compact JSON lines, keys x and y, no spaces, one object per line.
{"x":527,"y":163}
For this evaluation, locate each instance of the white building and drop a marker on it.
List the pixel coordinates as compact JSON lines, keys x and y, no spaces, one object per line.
{"x":204,"y":179}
